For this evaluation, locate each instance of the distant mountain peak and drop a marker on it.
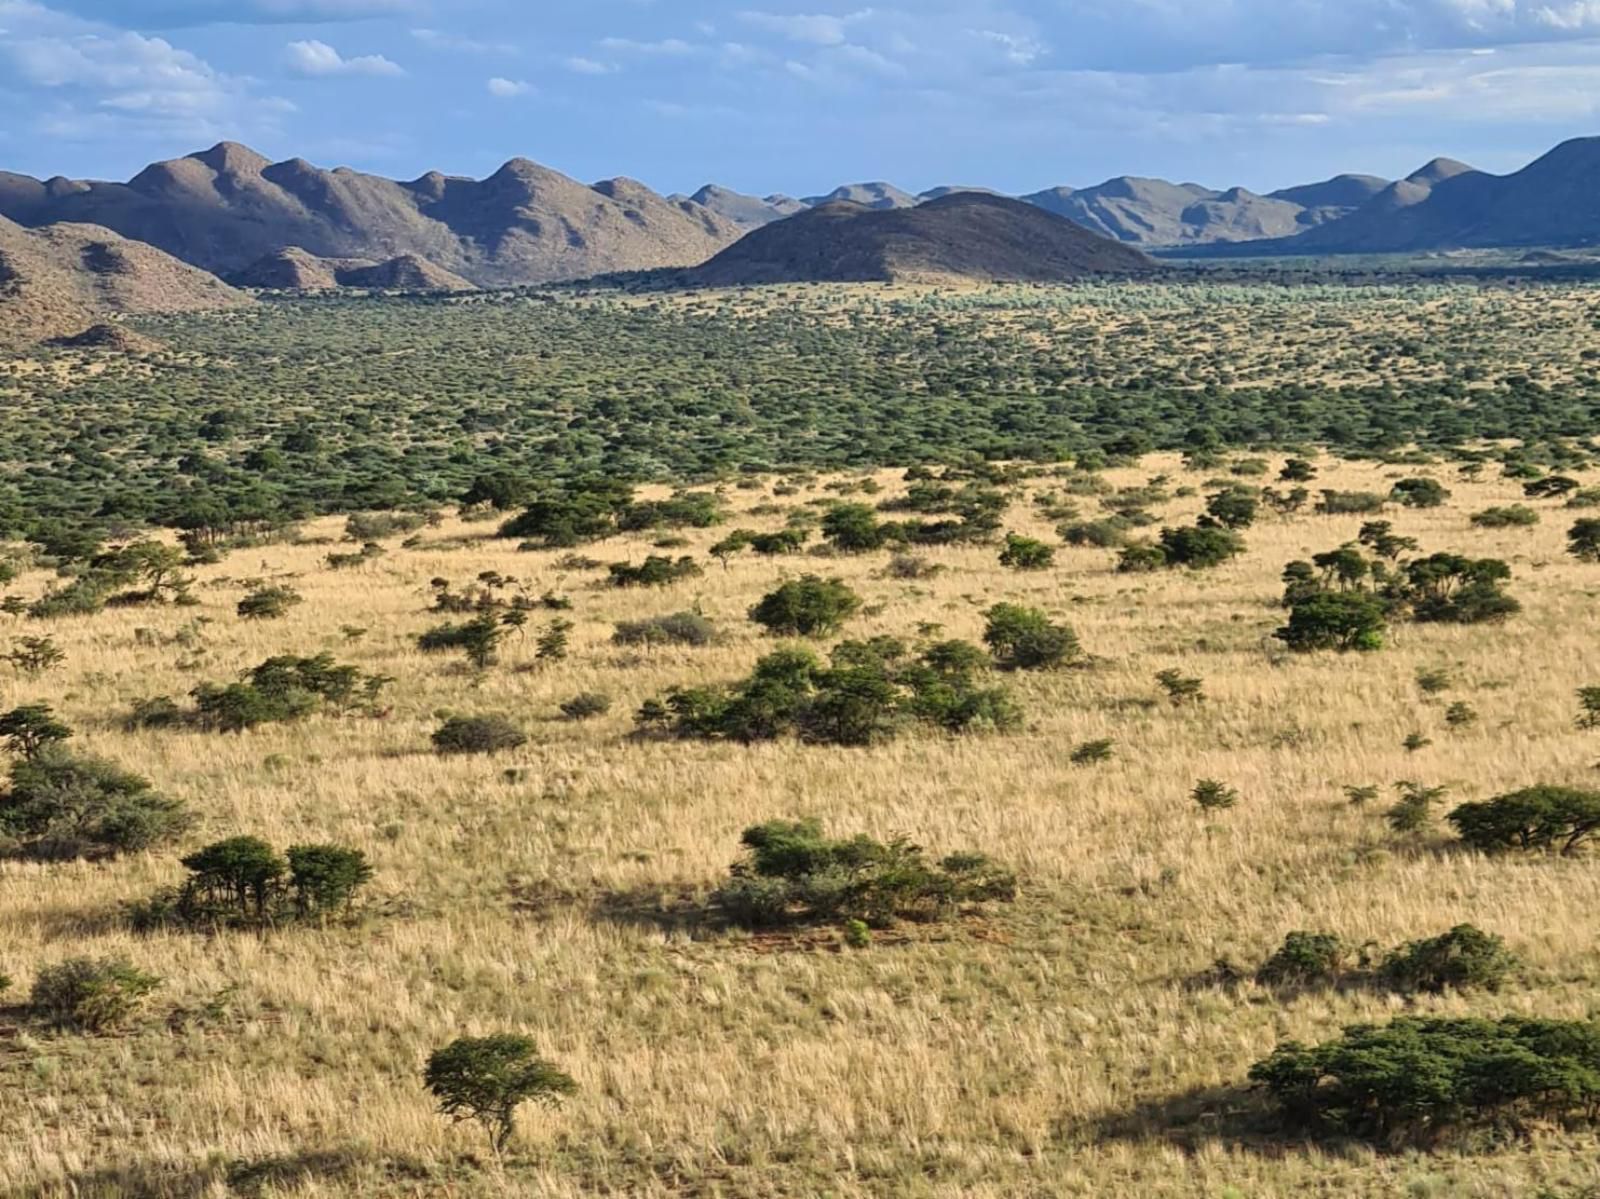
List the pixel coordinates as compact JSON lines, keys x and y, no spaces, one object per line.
{"x":231,"y":158}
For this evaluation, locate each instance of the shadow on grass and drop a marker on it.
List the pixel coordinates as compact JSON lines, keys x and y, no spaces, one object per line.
{"x":1236,"y":1116}
{"x":338,"y":1170}
{"x":675,"y":913}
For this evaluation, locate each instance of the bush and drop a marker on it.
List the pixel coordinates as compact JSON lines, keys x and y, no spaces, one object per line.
{"x":154,"y":712}
{"x":1420,"y":493}
{"x":61,"y":805}
{"x":867,"y":693}
{"x":90,"y":995}
{"x":1515,"y":516}
{"x":1349,"y":503}
{"x":793,"y":873}
{"x":1181,"y":688}
{"x":479,"y":639}
{"x":1233,"y":508}
{"x":1335,"y":620}
{"x":35,"y":655}
{"x":486,"y":1079}
{"x":680,"y":628}
{"x":1200,"y":548}
{"x":654,"y":571}
{"x":1452,"y":589}
{"x":806,"y":607}
{"x":853,"y":528}
{"x":1091,"y":753}
{"x":1141,"y":559}
{"x":1212,"y":796}
{"x":1460,"y":959}
{"x":268,"y":603}
{"x":1025,"y":639}
{"x":243,"y":882}
{"x":477,"y":735}
{"x":1583,"y":540}
{"x":1304,"y":959}
{"x":1544,"y":818}
{"x":30,"y":728}
{"x":1026,"y":553}
{"x":1418,"y":1080}
{"x":282,"y":689}
{"x":586,"y":706}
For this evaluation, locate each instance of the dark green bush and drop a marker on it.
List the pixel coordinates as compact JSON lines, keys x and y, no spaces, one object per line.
{"x":90,"y":995}
{"x":1543,"y":818}
{"x":654,"y":571}
{"x":586,"y":706}
{"x":1026,"y":639}
{"x":59,"y":805}
{"x":268,"y":603}
{"x":680,"y":628}
{"x":1200,"y":548}
{"x":793,"y":873}
{"x":1349,"y":503}
{"x":1026,"y":553}
{"x":806,"y":607}
{"x":1417,"y":1081}
{"x":31,"y":728}
{"x":477,"y":735}
{"x":1304,"y":960}
{"x":1420,"y":493}
{"x":1463,"y":958}
{"x":1514,"y":516}
{"x":1335,"y":620}
{"x":243,"y":882}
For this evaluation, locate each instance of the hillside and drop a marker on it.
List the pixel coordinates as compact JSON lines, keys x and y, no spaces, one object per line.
{"x":966,"y":235}
{"x":292,"y":269}
{"x":58,"y":281}
{"x":747,"y":212}
{"x":226,"y":208}
{"x":1153,"y":212}
{"x":869,"y":195}
{"x":1447,"y":205}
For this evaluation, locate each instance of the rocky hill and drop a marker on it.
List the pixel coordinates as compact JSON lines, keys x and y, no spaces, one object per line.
{"x":58,"y":281}
{"x":292,"y":269}
{"x":966,"y":235}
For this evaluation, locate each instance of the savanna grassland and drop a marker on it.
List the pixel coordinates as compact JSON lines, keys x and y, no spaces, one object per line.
{"x":1090,"y":1036}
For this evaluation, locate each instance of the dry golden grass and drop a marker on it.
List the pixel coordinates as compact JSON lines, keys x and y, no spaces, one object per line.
{"x":1051,"y":1048}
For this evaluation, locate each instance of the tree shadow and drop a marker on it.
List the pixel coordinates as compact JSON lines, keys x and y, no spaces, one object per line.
{"x":1236,"y":1116}
{"x":674,"y":913}
{"x":341,"y":1169}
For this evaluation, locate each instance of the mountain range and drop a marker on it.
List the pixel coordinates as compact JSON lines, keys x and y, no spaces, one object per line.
{"x":74,"y":249}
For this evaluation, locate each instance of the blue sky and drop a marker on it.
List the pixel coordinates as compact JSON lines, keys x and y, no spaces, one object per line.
{"x":764,"y":95}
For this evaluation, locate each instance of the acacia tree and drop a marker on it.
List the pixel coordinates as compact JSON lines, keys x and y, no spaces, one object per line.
{"x":486,"y":1079}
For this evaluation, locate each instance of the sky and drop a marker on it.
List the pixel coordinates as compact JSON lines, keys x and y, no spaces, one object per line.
{"x":767,"y":96}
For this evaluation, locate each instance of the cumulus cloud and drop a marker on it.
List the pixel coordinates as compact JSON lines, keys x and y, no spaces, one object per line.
{"x":316,"y":59}
{"x":508,"y":89}
{"x":175,"y":14}
{"x":815,"y":29}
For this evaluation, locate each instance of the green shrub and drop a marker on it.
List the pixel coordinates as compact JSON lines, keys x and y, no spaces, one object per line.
{"x":1416,"y":1081}
{"x":283,"y":689}
{"x":1025,"y":639}
{"x":586,"y":706}
{"x":1304,"y":960}
{"x":680,"y":628}
{"x":1583,"y":540}
{"x":806,"y":607}
{"x":59,"y":805}
{"x":268,"y":603}
{"x":90,"y":995}
{"x":1200,"y":548}
{"x":479,"y":639}
{"x":325,"y":878}
{"x":654,"y":571}
{"x":28,"y":730}
{"x":1463,"y":958}
{"x":1212,"y":796}
{"x":1026,"y":553}
{"x":1335,"y":620}
{"x":1414,"y":810}
{"x":1516,"y":516}
{"x":1181,"y":689}
{"x":1420,"y":493}
{"x":1543,"y":818}
{"x":154,"y":712}
{"x":477,"y":735}
{"x":35,"y":655}
{"x":867,"y":693}
{"x":485,"y":1079}
{"x":1349,"y":503}
{"x":243,"y":882}
{"x":1091,"y":753}
{"x":793,"y":873}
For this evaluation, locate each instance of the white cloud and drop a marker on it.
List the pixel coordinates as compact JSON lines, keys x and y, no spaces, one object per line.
{"x":318,"y":59}
{"x":588,"y":66}
{"x":670,"y":47}
{"x":438,"y":39}
{"x":508,"y":89}
{"x":816,"y":29}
